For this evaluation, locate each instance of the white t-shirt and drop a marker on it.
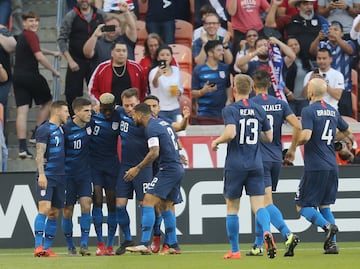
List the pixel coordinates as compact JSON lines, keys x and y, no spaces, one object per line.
{"x":197,"y":32}
{"x":334,"y":79}
{"x":167,"y":101}
{"x":353,"y":34}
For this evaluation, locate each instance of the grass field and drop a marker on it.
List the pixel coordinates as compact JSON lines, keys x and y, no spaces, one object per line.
{"x":307,"y":256}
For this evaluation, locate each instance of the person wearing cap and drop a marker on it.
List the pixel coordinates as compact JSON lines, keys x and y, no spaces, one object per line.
{"x":343,"y":11}
{"x":305,"y":26}
{"x":116,"y":75}
{"x":104,"y":163}
{"x":342,"y":52}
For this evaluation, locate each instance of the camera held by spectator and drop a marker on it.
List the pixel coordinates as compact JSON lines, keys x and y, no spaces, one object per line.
{"x":345,"y":153}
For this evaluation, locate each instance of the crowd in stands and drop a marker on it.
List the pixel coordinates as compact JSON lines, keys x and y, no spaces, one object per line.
{"x":113,"y":45}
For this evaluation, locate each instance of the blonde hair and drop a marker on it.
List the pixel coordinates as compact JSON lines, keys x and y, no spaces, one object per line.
{"x":243,"y":84}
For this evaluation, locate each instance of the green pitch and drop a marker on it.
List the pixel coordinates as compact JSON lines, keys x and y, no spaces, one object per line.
{"x":307,"y":256}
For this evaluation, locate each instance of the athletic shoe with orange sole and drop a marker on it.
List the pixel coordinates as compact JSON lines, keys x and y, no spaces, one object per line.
{"x":109,"y":251}
{"x":100,"y":249}
{"x":49,"y":253}
{"x":270,"y":245}
{"x":39,"y":251}
{"x":232,"y":255}
{"x":155,"y":244}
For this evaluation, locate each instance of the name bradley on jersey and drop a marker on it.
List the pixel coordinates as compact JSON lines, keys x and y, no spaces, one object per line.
{"x":325,"y":112}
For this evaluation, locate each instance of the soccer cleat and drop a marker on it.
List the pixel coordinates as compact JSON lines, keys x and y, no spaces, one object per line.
{"x":255,"y":251}
{"x":109,"y":251}
{"x":84,"y":251}
{"x":270,"y":245}
{"x":100,"y":249}
{"x":122,"y":249}
{"x":166,"y":249}
{"x":49,"y":253}
{"x":155,"y":245}
{"x":25,"y":154}
{"x":332,"y":248}
{"x":329,"y":235}
{"x":290,"y":245}
{"x":232,"y":255}
{"x":39,"y":251}
{"x":144,"y":250}
{"x":72,"y":251}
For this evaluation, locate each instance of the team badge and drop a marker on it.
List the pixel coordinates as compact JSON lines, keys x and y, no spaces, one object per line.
{"x":314,"y":22}
{"x":222,"y":74}
{"x":115,"y":125}
{"x":88,"y":130}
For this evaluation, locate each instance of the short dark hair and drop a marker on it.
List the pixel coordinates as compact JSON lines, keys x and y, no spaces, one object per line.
{"x":206,"y":9}
{"x":143,"y":109}
{"x":337,"y":23}
{"x":323,"y":49}
{"x":30,"y":15}
{"x":151,"y":97}
{"x":130,"y":93}
{"x":116,"y":43}
{"x":57,"y":104}
{"x":261,"y":78}
{"x":80,"y":102}
{"x":211,"y":45}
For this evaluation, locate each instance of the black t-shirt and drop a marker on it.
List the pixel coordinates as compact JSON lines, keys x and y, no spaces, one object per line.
{"x":5,"y":57}
{"x":120,"y":82}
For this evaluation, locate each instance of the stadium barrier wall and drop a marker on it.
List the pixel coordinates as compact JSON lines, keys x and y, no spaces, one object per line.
{"x":201,"y":216}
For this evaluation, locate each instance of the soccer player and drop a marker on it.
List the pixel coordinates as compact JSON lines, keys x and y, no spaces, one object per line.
{"x":162,"y":144}
{"x":78,"y":177}
{"x":50,"y":187}
{"x":245,"y":124}
{"x":105,"y":165}
{"x":277,"y":111}
{"x":319,"y":184}
{"x":154,"y":104}
{"x":133,"y":151}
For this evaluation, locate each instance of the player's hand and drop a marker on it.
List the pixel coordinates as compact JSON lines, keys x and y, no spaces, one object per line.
{"x":290,"y":156}
{"x":131,"y":173}
{"x":42,"y":181}
{"x":214,"y":146}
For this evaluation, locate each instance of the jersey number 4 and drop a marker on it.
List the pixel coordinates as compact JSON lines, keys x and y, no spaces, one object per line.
{"x":327,"y":134}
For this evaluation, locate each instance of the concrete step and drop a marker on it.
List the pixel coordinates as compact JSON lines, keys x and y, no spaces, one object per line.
{"x":15,"y":164}
{"x":42,"y":7}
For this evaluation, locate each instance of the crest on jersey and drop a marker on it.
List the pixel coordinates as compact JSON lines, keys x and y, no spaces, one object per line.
{"x":115,"y":125}
{"x":222,"y":74}
{"x":88,"y":130}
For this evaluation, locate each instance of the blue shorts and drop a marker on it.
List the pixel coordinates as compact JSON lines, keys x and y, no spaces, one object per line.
{"x":55,"y":191}
{"x":77,"y":187}
{"x":125,"y":189}
{"x":317,"y":188}
{"x":166,"y":183}
{"x":234,"y":181}
{"x":271,"y":174}
{"x":106,"y":174}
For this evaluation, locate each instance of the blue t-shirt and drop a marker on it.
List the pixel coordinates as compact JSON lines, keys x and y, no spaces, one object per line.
{"x":104,"y":139}
{"x":211,"y":103}
{"x":77,"y":148}
{"x":53,"y":136}
{"x":133,"y":142}
{"x":168,"y":155}
{"x":276,"y":111}
{"x":244,"y":151}
{"x":322,"y":119}
{"x":160,"y":11}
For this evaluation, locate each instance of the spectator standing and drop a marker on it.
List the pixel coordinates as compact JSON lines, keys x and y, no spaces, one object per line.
{"x":210,"y":85}
{"x":247,"y":46}
{"x":165,"y":83}
{"x":211,"y":26}
{"x":342,"y":52}
{"x":220,"y":9}
{"x":319,"y":184}
{"x":116,"y":75}
{"x":160,"y":19}
{"x":98,"y":46}
{"x":345,"y":151}
{"x":5,"y":11}
{"x":243,"y":164}
{"x":77,"y":27}
{"x":28,"y":83}
{"x":50,"y":185}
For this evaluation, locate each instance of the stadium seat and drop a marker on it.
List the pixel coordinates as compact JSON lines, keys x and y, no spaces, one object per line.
{"x":2,"y":114}
{"x":186,"y":82}
{"x":139,"y":53}
{"x":183,"y":56}
{"x":141,"y":32}
{"x":183,"y":33}
{"x":354,"y":93}
{"x":143,"y":7}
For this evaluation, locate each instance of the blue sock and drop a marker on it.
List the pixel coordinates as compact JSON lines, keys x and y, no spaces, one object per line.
{"x":97,"y":216}
{"x":158,"y":220}
{"x":50,"y":232}
{"x":85,"y":223}
{"x":263,"y":218}
{"x":112,"y":225}
{"x":67,"y":227}
{"x":122,"y":217}
{"x":259,"y":235}
{"x":328,"y":215}
{"x":39,"y":227}
{"x":232,"y":229}
{"x":314,"y":216}
{"x":170,"y":226}
{"x":276,"y":218}
{"x":147,"y":223}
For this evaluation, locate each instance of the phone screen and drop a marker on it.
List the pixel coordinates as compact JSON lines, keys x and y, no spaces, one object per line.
{"x":108,"y":28}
